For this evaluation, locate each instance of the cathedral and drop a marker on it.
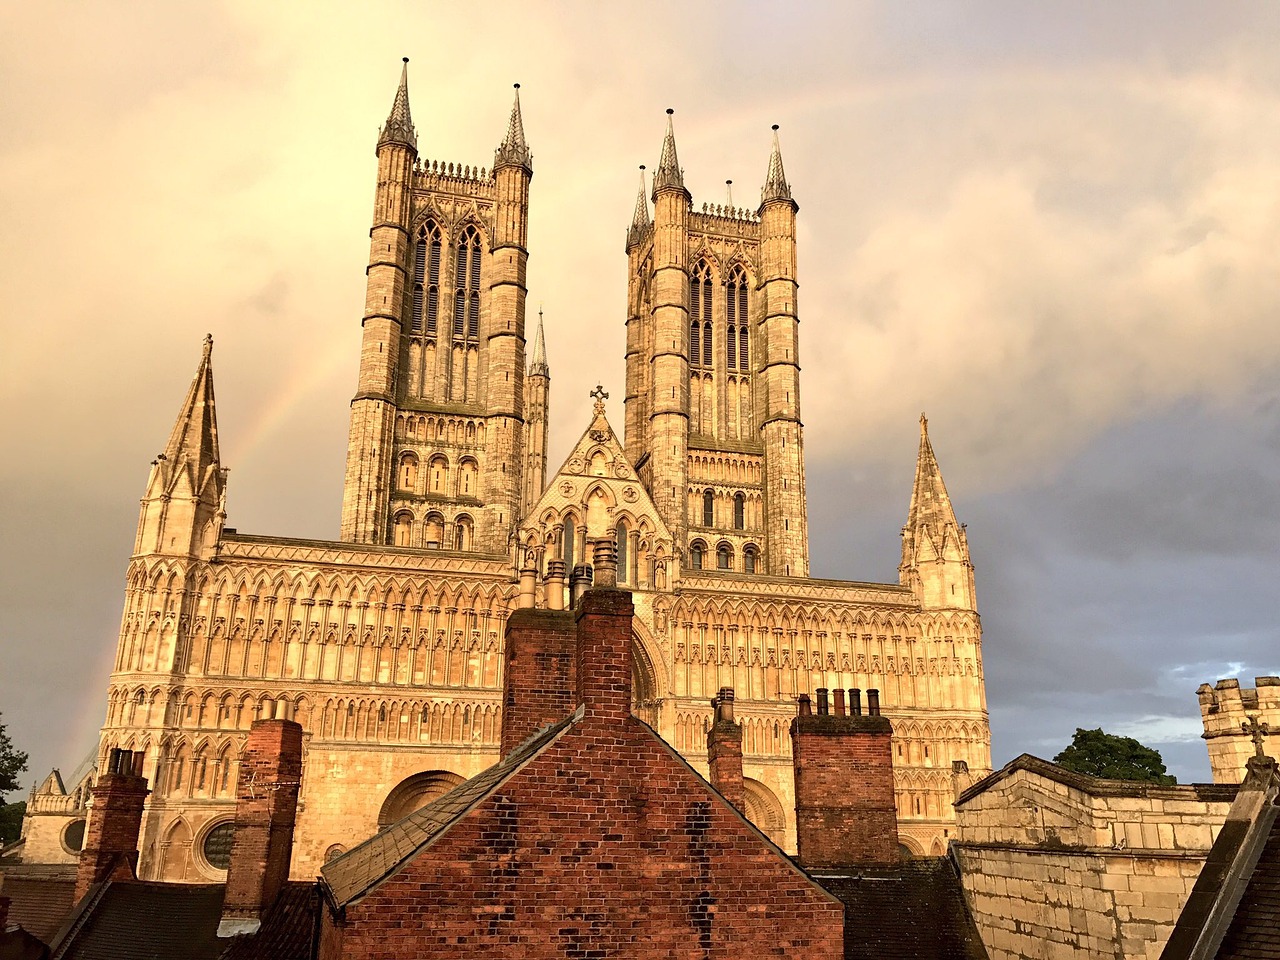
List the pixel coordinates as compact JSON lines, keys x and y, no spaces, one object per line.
{"x":386,"y":645}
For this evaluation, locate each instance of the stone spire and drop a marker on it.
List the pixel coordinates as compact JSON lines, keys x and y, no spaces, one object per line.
{"x":194,"y":439}
{"x":640,"y":219}
{"x":399,"y":125}
{"x":538,"y":362}
{"x":775,"y":181}
{"x":935,"y":549}
{"x":514,"y":150}
{"x":669,"y":173}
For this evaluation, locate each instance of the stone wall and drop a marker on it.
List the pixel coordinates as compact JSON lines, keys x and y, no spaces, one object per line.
{"x":1224,"y":707}
{"x":1059,"y":865}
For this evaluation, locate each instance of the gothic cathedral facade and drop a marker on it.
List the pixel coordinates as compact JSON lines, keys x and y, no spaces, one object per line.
{"x":386,"y":645}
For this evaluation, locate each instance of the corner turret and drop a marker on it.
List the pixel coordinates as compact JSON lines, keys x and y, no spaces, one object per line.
{"x":184,"y":506}
{"x":935,"y":550}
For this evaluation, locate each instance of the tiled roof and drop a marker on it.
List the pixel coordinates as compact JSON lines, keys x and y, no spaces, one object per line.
{"x":1254,"y":933}
{"x":135,"y":920}
{"x":42,"y":896}
{"x":362,"y":868}
{"x":910,"y":911}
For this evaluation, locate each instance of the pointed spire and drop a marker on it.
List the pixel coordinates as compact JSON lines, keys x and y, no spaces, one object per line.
{"x":935,"y":548}
{"x":640,"y":219}
{"x":930,"y":504}
{"x":669,"y":173}
{"x":399,"y":125}
{"x":775,"y":181}
{"x":514,"y":151}
{"x":195,"y":433}
{"x":538,"y":362}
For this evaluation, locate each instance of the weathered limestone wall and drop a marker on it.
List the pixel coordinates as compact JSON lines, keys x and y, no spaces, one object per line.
{"x":1224,"y":707}
{"x":1067,"y":866}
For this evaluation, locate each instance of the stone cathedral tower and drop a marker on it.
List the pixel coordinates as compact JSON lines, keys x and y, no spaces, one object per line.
{"x":713,"y":372}
{"x":436,"y":452}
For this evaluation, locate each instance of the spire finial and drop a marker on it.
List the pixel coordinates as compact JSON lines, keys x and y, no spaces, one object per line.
{"x":600,"y":395}
{"x":514,"y":151}
{"x":728,"y":194}
{"x":1257,"y":732}
{"x":924,"y":425}
{"x":775,"y":181}
{"x":639,"y":219}
{"x":399,"y":125}
{"x":208,"y":346}
{"x":669,"y":173}
{"x":538,"y":362}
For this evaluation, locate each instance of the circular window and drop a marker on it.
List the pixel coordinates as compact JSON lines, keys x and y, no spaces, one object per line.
{"x":73,"y":836}
{"x":217,"y":845}
{"x":334,"y":852}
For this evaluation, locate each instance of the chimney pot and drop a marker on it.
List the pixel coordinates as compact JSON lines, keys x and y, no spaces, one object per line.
{"x":604,"y":559}
{"x":579,"y":583}
{"x":554,"y":585}
{"x":804,"y":708}
{"x":837,"y":702}
{"x":724,"y":751}
{"x":873,"y":703}
{"x":822,"y":702}
{"x":855,"y":702}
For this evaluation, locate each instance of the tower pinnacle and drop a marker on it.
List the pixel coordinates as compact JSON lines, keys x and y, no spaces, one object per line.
{"x":669,"y":173}
{"x":538,"y":361}
{"x":514,"y":150}
{"x":775,"y":181}
{"x":935,"y":549}
{"x":639,"y":219}
{"x":399,"y":125}
{"x":194,"y":439}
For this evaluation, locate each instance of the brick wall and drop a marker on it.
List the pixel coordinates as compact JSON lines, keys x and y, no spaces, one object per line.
{"x":539,"y":672}
{"x":111,"y":840}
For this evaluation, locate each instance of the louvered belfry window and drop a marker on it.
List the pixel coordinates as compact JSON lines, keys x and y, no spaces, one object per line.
{"x":736,"y":350}
{"x":466,"y":293}
{"x":700,"y":338}
{"x":426,"y":281}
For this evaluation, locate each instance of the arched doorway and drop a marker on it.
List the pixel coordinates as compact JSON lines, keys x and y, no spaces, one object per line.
{"x":414,"y":793}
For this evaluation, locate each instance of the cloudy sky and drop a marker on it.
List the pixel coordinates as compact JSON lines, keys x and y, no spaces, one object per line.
{"x":1054,"y":227}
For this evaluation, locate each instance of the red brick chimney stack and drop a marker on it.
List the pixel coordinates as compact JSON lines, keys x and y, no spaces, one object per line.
{"x":4,"y":913}
{"x":603,"y":617}
{"x":724,"y":750}
{"x":266,"y":808}
{"x":111,"y":843}
{"x":845,"y":809}
{"x":539,"y":676}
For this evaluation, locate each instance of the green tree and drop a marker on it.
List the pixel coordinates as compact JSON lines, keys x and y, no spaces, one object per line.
{"x":11,"y":815}
{"x":12,"y":764}
{"x":1115,"y":758}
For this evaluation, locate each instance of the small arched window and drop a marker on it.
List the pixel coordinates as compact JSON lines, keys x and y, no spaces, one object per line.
{"x":466,"y":281}
{"x":426,"y":281}
{"x":697,"y":551}
{"x":708,"y":509}
{"x":439,"y":475}
{"x":408,"y":471}
{"x":403,"y":528}
{"x":700,"y":294}
{"x":433,"y":531}
{"x":724,"y":557}
{"x":750,"y":558}
{"x":620,"y":534}
{"x":462,"y":533}
{"x":739,"y":511}
{"x":467,"y":472}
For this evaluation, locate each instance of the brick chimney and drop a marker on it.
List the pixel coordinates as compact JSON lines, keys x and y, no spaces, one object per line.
{"x":724,"y":750}
{"x":4,"y":913}
{"x":845,"y":810}
{"x":603,"y":618}
{"x":538,"y":672}
{"x":266,"y":807}
{"x":111,"y":842}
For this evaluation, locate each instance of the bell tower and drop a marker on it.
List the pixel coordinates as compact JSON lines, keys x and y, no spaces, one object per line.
{"x":436,"y":449}
{"x":713,"y":375}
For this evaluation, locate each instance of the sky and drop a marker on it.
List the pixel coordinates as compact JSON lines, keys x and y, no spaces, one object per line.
{"x":1054,"y":227}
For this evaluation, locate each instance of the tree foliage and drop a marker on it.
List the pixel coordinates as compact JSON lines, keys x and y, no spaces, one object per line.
{"x":11,"y":815}
{"x":1102,"y":754}
{"x":12,"y":764}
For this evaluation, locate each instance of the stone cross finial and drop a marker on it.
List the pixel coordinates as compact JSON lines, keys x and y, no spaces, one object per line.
{"x":1257,"y":733}
{"x":600,"y":397}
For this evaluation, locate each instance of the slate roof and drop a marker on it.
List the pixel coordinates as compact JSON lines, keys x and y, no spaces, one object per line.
{"x":118,"y":921}
{"x":362,"y":868}
{"x":1254,"y":933}
{"x":42,"y":896}
{"x":914,"y":910}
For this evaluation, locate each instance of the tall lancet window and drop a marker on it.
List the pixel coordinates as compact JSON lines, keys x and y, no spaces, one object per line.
{"x":426,"y":281}
{"x":735,"y":341}
{"x":700,"y":294}
{"x":466,"y":292}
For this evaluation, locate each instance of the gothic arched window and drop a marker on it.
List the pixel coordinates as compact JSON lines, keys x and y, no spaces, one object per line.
{"x":408,"y":471}
{"x":708,"y":509}
{"x":434,"y":531}
{"x":462,"y":532}
{"x":724,"y":557}
{"x":439,"y":475}
{"x":620,"y":534}
{"x":697,"y":550}
{"x":403,"y":528}
{"x":467,"y":472}
{"x":750,"y":558}
{"x":466,"y":284}
{"x":700,"y":339}
{"x":739,"y":511}
{"x":570,"y":536}
{"x":735,"y":340}
{"x":426,"y":280}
